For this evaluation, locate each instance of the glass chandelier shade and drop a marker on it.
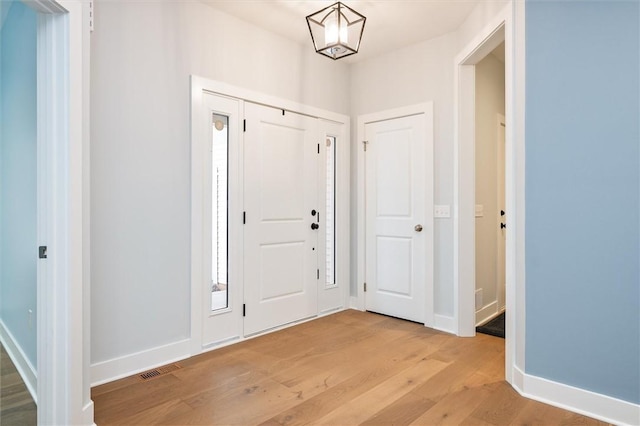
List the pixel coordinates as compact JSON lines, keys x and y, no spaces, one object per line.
{"x":336,"y":30}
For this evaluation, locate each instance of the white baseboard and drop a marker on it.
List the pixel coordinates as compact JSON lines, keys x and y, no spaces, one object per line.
{"x":598,"y":406}
{"x":20,"y":360}
{"x":354,"y":303}
{"x":87,"y":414}
{"x":444,"y":323}
{"x":114,"y":369}
{"x":486,"y":313}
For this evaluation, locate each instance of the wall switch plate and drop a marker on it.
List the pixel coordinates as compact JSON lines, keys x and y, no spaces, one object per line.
{"x":442,"y":210}
{"x":479,"y":210}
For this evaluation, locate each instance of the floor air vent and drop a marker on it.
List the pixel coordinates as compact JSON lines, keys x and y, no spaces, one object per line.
{"x":156,"y":372}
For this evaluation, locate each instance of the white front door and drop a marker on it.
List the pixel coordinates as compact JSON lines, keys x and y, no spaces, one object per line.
{"x":280,"y":194}
{"x":396,"y":219}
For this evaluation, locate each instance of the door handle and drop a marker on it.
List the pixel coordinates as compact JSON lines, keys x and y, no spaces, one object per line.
{"x":315,"y":226}
{"x":418,"y":228}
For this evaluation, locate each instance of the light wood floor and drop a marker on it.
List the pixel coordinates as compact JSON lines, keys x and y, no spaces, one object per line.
{"x":16,"y":405}
{"x":345,"y":369}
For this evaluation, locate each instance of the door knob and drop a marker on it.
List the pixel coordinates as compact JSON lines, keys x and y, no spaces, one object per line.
{"x":418,"y":228}
{"x":315,"y":226}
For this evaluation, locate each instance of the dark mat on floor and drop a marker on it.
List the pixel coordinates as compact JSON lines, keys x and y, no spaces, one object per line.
{"x":495,"y":327}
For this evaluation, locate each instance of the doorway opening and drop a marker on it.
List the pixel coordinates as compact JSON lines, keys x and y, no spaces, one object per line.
{"x":490,"y":210}
{"x":499,"y":30}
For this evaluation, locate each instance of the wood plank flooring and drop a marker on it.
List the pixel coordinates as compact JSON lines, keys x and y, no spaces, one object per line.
{"x":345,"y":369}
{"x":16,"y":405}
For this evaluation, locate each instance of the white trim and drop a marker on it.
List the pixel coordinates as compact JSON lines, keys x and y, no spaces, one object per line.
{"x":354,"y":303}
{"x":444,"y":323}
{"x":241,"y":93}
{"x":45,"y":6}
{"x":591,"y":404}
{"x":501,"y":273}
{"x":117,"y":368}
{"x":20,"y":360}
{"x":487,"y":313}
{"x":62,"y":311}
{"x":358,"y":302}
{"x":515,"y":261}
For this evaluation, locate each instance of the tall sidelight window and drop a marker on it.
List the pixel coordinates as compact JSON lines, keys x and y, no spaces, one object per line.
{"x":219,"y":212}
{"x":330,"y":208}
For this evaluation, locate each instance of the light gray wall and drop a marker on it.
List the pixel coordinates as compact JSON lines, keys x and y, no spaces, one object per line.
{"x":489,"y":102}
{"x":419,"y":73}
{"x":142,"y":56}
{"x":583,"y":195}
{"x":18,"y":220}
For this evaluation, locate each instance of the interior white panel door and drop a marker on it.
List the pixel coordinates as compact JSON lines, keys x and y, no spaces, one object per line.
{"x":395,"y":217}
{"x":280,"y":177}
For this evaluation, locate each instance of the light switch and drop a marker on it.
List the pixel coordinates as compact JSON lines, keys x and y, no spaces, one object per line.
{"x":442,"y":210}
{"x":479,"y":210}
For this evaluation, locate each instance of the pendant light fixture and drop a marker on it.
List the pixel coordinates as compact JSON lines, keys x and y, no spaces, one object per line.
{"x":336,"y":30}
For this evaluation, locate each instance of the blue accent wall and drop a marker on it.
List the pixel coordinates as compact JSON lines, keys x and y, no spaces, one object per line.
{"x":18,"y":121}
{"x":583,"y":194}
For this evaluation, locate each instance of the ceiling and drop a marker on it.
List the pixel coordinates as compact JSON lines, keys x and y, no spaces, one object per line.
{"x":391,"y":24}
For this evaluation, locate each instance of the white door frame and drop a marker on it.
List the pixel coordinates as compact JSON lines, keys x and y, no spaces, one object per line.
{"x":501,"y":122}
{"x":200,"y":85}
{"x":499,"y":29}
{"x":63,"y":310}
{"x":358,"y":301}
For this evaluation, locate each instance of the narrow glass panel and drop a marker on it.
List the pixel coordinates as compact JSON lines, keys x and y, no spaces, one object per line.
{"x":330,"y":208}
{"x":219,"y":212}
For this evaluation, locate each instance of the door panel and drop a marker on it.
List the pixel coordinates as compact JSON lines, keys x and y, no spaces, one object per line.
{"x":282,"y":266}
{"x":394,"y":265}
{"x":281,"y":163}
{"x":393,"y":177}
{"x":395,"y":205}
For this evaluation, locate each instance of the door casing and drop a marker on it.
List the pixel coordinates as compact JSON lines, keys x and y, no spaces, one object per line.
{"x":332,"y":298}
{"x":500,"y":28}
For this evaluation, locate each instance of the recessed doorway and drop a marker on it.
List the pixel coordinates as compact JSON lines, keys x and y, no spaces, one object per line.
{"x":490,"y":210}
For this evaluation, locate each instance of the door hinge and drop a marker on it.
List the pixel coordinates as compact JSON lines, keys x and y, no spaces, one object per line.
{"x":91,"y":16}
{"x":365,"y":143}
{"x":318,"y":148}
{"x":317,"y":274}
{"x":42,"y":252}
{"x":365,"y":287}
{"x":244,"y":125}
{"x":244,"y":310}
{"x":282,"y":112}
{"x":244,"y":218}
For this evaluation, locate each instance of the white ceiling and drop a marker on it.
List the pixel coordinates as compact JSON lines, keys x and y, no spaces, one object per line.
{"x":391,"y":24}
